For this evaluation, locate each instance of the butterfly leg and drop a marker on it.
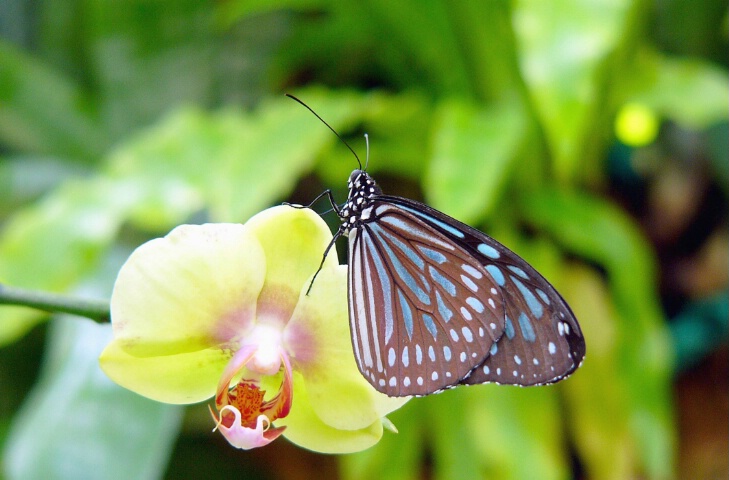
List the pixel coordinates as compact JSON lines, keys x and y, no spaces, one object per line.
{"x":326,"y":193}
{"x":339,"y":233}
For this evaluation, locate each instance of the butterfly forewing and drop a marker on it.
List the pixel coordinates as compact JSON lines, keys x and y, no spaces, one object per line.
{"x":423,"y":310}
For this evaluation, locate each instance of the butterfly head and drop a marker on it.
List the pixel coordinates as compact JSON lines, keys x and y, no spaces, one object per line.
{"x":362,"y":189}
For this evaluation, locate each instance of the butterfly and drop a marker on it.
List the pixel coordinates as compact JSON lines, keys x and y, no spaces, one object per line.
{"x":435,"y":303}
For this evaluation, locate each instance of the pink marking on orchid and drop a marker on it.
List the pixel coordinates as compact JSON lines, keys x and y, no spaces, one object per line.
{"x":244,"y":417}
{"x":244,"y":437}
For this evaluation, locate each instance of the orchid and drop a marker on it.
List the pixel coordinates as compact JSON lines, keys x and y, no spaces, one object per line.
{"x":222,"y":311}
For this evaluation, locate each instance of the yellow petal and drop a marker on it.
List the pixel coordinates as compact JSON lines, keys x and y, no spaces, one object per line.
{"x":318,"y":340}
{"x":294,"y":241}
{"x":305,"y":428}
{"x":180,"y":379}
{"x":194,"y":289}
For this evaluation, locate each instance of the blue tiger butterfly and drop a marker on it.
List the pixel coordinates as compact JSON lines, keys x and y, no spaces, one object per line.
{"x":434,"y":303}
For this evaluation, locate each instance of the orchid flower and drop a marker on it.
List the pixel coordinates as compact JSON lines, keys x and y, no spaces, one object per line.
{"x":221,"y":311}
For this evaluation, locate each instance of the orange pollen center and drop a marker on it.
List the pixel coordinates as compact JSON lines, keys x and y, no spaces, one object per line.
{"x":248,"y":399}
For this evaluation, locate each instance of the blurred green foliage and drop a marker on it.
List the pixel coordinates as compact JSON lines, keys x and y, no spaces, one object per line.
{"x":120,"y":120}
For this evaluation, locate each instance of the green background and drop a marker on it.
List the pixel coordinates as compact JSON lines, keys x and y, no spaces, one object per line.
{"x":120,"y":119}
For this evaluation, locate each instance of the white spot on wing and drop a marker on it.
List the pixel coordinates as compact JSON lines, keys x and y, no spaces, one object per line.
{"x":469,"y":283}
{"x":472,"y":271}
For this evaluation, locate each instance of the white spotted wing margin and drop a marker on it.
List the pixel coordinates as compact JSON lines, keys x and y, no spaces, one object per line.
{"x":542,"y":341}
{"x":423,"y":310}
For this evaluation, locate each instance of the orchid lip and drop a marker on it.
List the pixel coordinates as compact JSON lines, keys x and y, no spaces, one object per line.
{"x":244,"y":437}
{"x":244,"y":417}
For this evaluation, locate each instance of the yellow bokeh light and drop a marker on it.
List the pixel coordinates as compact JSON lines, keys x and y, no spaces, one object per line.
{"x":636,"y":125}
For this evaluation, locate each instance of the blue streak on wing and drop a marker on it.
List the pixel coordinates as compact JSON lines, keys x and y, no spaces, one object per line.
{"x":447,"y":285}
{"x":527,"y":329}
{"x":529,"y":297}
{"x":429,"y":218}
{"x":543,"y":296}
{"x":400,"y":269}
{"x":407,"y":313}
{"x":424,"y":281}
{"x":430,"y":325}
{"x":384,"y":279}
{"x":509,"y":328}
{"x":519,"y":272}
{"x":496,"y":273}
{"x":443,"y":310}
{"x":415,"y":230}
{"x":488,"y":250}
{"x":434,"y":255}
{"x":409,"y":252}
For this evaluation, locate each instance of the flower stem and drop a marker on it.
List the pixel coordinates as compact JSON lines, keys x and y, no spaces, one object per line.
{"x":97,"y":310}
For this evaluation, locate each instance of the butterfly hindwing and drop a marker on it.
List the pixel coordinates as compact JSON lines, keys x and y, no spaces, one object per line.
{"x":542,"y":341}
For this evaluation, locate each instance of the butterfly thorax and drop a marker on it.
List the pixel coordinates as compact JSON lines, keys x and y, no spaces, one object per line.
{"x":362,"y":189}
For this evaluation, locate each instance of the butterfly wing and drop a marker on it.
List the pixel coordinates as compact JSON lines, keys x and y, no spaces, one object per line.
{"x":542,"y":341}
{"x":423,"y":310}
{"x":415,"y":277}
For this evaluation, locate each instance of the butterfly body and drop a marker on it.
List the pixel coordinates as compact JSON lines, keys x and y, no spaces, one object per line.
{"x":435,"y":303}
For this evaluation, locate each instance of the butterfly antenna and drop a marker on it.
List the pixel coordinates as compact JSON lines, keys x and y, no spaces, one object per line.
{"x":367,"y":158}
{"x":330,"y":128}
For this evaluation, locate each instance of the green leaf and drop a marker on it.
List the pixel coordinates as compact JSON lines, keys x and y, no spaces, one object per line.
{"x":398,"y":127}
{"x":476,"y":432}
{"x":149,"y":58}
{"x":230,"y":162}
{"x":564,"y":48}
{"x":597,"y":395}
{"x":508,"y":425}
{"x":474,"y":149}
{"x":281,"y":146}
{"x":689,"y":91}
{"x":24,"y":178}
{"x":44,"y":112}
{"x":435,"y":55}
{"x":485,"y":39}
{"x":397,"y":456}
{"x":51,"y":245}
{"x":78,"y":424}
{"x":598,"y":231}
